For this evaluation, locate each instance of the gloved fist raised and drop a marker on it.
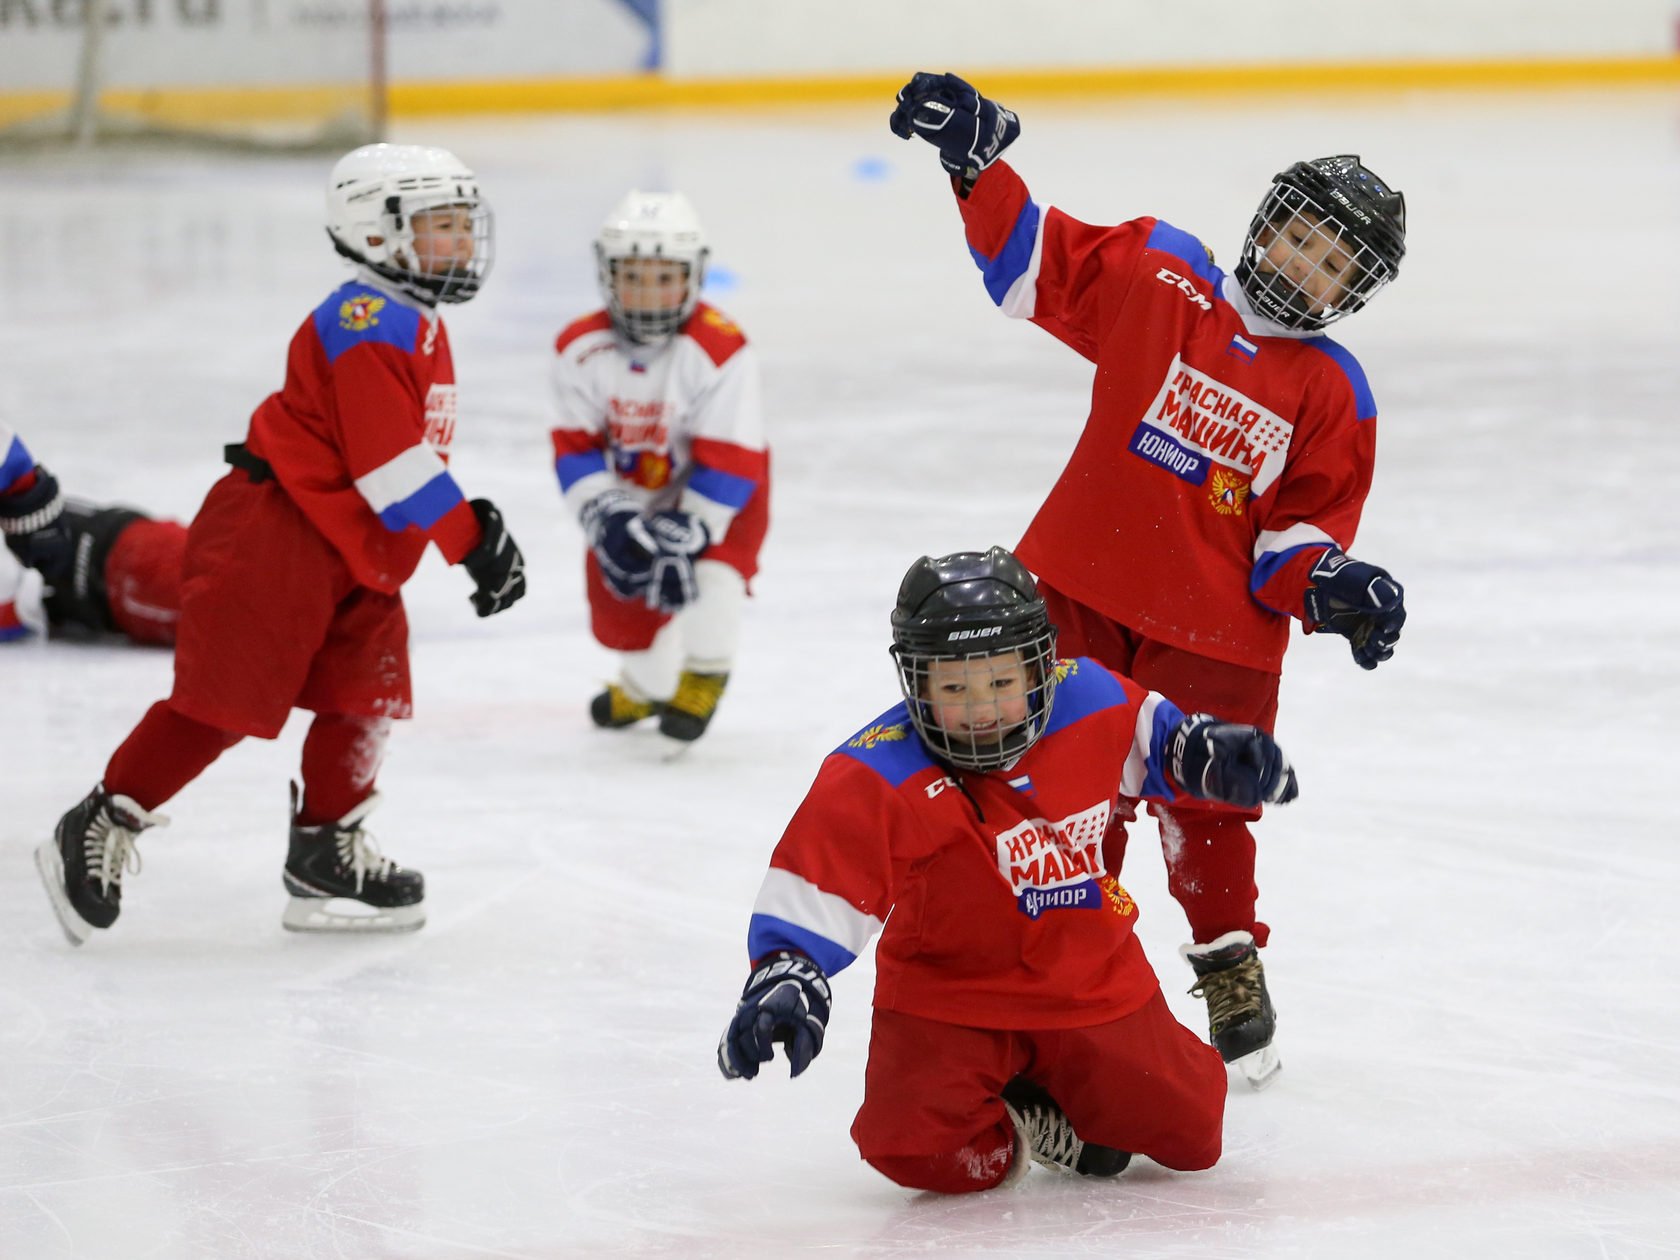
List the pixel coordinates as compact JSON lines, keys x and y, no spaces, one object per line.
{"x":496,"y":565}
{"x":32,"y":522}
{"x":969,"y":131}
{"x":1230,"y":762}
{"x":1358,"y":601}
{"x":785,"y":1000}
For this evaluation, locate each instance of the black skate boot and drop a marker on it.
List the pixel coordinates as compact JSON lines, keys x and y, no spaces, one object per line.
{"x":340,"y":882}
{"x":1241,"y":1021}
{"x":689,"y":712}
{"x":1051,"y":1139}
{"x":84,"y":863}
{"x":615,"y":708}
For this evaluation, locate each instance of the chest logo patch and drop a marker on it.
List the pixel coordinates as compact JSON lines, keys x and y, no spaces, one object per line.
{"x":1056,"y":865}
{"x":1197,"y":420}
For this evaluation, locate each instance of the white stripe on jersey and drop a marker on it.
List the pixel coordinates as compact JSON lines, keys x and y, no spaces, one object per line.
{"x":1277,"y":541}
{"x":1021,"y":298}
{"x":397,"y":479}
{"x":786,"y":896}
{"x":1143,"y":736}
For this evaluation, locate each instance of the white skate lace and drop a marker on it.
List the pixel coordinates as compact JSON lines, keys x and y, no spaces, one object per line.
{"x":111,"y":849}
{"x":358,"y":850}
{"x":1051,"y":1137}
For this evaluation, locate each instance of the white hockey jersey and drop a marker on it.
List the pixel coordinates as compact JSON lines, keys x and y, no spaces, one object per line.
{"x":677,"y":425}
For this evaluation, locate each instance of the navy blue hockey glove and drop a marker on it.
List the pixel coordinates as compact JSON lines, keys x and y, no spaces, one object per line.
{"x":613,"y":525}
{"x":33,"y":522}
{"x":969,"y":131}
{"x":786,"y":1000}
{"x":1230,"y":762}
{"x":679,"y":539}
{"x":496,"y":565}
{"x":1358,"y":601}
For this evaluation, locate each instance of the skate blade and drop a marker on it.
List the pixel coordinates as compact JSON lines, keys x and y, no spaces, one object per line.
{"x":674,"y":749}
{"x":346,"y":916}
{"x":1260,"y":1068}
{"x":47,"y":861}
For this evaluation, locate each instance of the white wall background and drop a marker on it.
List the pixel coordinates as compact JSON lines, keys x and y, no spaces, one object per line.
{"x":756,"y":37}
{"x":229,"y":42}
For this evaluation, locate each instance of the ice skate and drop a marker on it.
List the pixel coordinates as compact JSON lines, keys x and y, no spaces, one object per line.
{"x":84,"y":864}
{"x":340,"y":882}
{"x":689,"y":712}
{"x":616,"y":708}
{"x":1047,"y":1134}
{"x":1241,"y":1021}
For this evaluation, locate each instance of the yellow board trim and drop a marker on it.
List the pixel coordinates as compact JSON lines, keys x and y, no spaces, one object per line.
{"x":209,"y":106}
{"x":653,"y":92}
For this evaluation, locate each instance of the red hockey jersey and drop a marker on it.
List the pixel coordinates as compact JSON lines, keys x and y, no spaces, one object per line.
{"x":359,"y":433}
{"x":989,"y":890}
{"x":1222,"y":453}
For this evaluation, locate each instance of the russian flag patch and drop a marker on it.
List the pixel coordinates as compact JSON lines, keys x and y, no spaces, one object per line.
{"x":1242,"y":347}
{"x":1023,"y":784}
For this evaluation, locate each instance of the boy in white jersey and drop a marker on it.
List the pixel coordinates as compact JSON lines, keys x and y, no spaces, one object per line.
{"x":660,"y":451}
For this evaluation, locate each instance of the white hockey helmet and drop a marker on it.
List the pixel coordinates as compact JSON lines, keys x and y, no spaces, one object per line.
{"x":651,"y":225}
{"x":373,"y":194}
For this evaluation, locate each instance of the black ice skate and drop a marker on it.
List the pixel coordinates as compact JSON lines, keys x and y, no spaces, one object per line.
{"x":1241,"y":1021}
{"x":615,"y":708}
{"x":689,"y":712}
{"x":1046,"y":1133}
{"x":84,"y":864}
{"x":340,"y":882}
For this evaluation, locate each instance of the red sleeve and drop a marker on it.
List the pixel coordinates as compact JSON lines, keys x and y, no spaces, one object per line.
{"x":1071,"y":282}
{"x":1324,"y":487}
{"x":381,"y":412}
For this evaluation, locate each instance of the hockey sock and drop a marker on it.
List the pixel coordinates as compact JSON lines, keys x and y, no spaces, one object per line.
{"x":164,"y":753}
{"x":341,"y":757}
{"x":1210,"y":871}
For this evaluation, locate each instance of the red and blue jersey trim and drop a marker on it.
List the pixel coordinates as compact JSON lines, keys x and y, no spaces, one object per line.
{"x":1010,"y":263}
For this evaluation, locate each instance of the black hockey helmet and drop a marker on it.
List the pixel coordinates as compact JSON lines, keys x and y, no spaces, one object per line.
{"x":1342,"y":201}
{"x":972,"y":606}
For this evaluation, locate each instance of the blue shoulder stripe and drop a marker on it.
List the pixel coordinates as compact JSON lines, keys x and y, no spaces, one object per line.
{"x":1014,"y":258}
{"x":1362,"y":398}
{"x":1188,"y":250}
{"x":1085,"y":688}
{"x":889,"y":746}
{"x":356,"y":314}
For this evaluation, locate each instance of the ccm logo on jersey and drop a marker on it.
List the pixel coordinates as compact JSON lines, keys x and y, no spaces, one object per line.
{"x":1185,"y":287}
{"x":979,"y":633}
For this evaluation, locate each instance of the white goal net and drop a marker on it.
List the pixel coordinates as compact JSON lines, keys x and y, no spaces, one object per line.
{"x":282,"y":74}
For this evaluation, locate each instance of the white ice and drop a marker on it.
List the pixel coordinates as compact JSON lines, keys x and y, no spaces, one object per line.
{"x":1474,"y":952}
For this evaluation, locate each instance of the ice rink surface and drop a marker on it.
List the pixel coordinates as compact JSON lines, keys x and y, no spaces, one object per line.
{"x":1472,"y":903}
